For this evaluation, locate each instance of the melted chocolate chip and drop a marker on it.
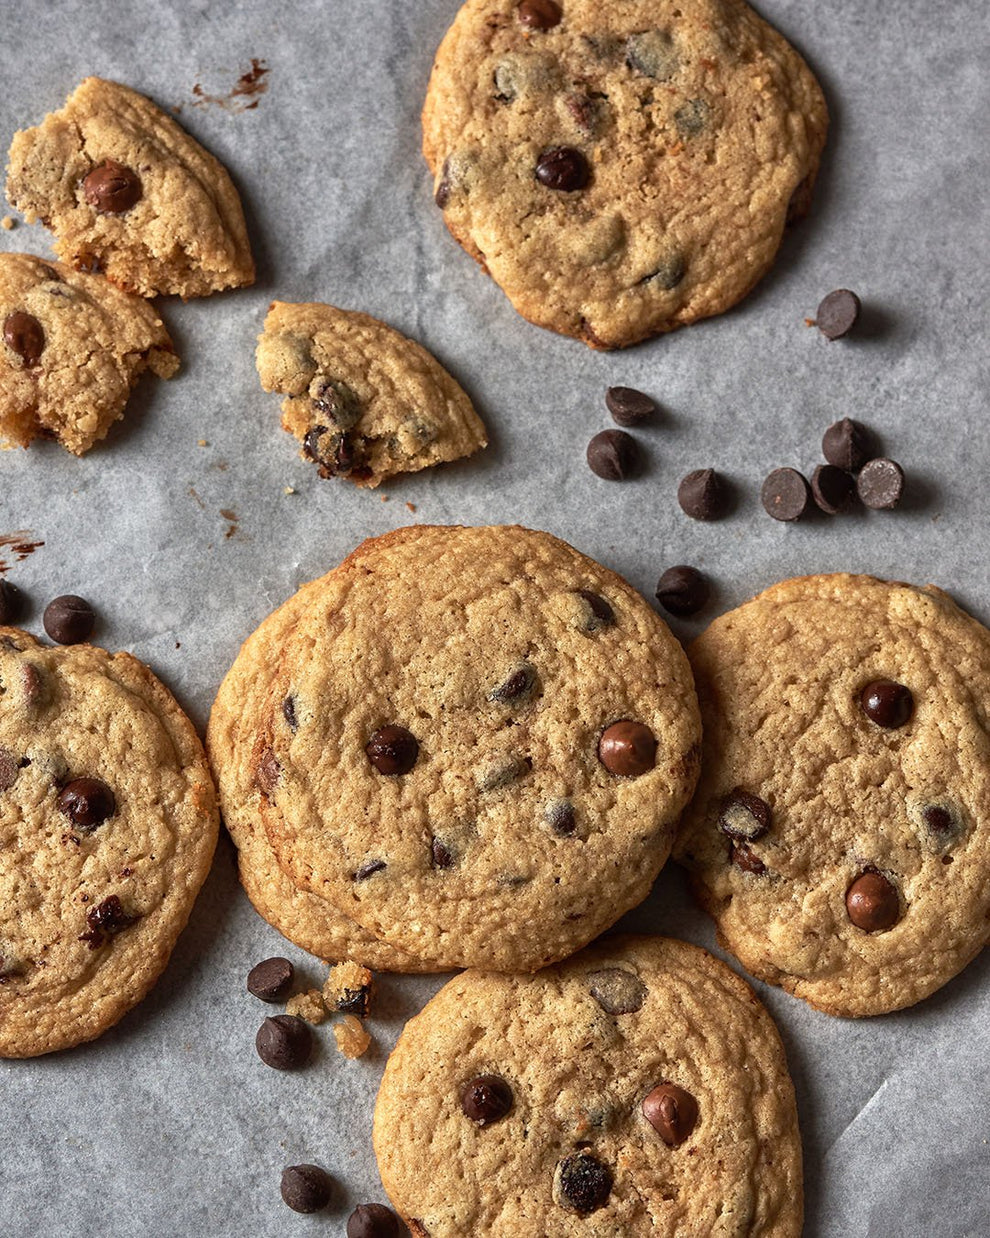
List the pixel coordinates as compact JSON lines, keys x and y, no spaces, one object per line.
{"x":69,"y":619}
{"x":943,"y":823}
{"x":392,"y":750}
{"x":693,"y":117}
{"x":336,"y":401}
{"x":10,"y":767}
{"x":651,"y":52}
{"x":627,"y":749}
{"x":584,"y":1183}
{"x":372,"y":1221}
{"x":333,"y":451}
{"x":502,"y":772}
{"x":887,"y":703}
{"x":268,"y":773}
{"x":271,"y":980}
{"x":617,"y":991}
{"x":672,"y":1112}
{"x":106,"y":920}
{"x":667,"y":273}
{"x":539,"y":14}
{"x":561,"y":818}
{"x":486,"y":1099}
{"x":519,"y":683}
{"x":440,"y":854}
{"x":744,"y":816}
{"x":112,"y":188}
{"x":838,"y":314}
{"x":284,"y":1042}
{"x":306,"y":1188}
{"x":563,"y":168}
{"x":369,"y":868}
{"x":872,"y":902}
{"x":745,"y":859}
{"x":87,"y":802}
{"x":289,"y":713}
{"x":602,"y":615}
{"x":24,"y":335}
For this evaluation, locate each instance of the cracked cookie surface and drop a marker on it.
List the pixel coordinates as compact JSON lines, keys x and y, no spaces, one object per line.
{"x":620,"y":170}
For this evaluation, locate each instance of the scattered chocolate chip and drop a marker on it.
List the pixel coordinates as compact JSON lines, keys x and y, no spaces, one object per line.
{"x":847,"y":444}
{"x":627,"y":749}
{"x":11,"y":603}
{"x":872,"y":902}
{"x":584,"y":1183}
{"x":369,"y":869}
{"x":24,"y":335}
{"x":602,"y":615}
{"x":617,"y":991}
{"x":289,"y":713}
{"x":539,"y":14}
{"x":672,"y":1112}
{"x":563,"y":168}
{"x":306,"y":1188}
{"x":831,"y":488}
{"x":284,"y":1042}
{"x":668,"y":272}
{"x":683,"y":590}
{"x":838,"y":313}
{"x":651,"y":52}
{"x":744,"y":816}
{"x":693,"y":117}
{"x":519,"y":683}
{"x":561,"y":818}
{"x":880,"y":484}
{"x":106,"y":920}
{"x":392,"y":750}
{"x":372,"y":1221}
{"x":613,"y":455}
{"x":271,"y":980}
{"x":628,"y":406}
{"x":746,"y":859}
{"x":486,"y":1099}
{"x":112,"y":188}
{"x":440,"y":854}
{"x":701,"y":495}
{"x":268,"y":772}
{"x":10,"y":767}
{"x":87,"y":802}
{"x":887,"y":703}
{"x":68,"y":619}
{"x":785,"y":495}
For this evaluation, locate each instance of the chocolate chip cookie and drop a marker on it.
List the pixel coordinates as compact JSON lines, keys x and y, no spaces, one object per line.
{"x":620,"y":169}
{"x":364,"y":401}
{"x":839,"y":834}
{"x":476,"y":745}
{"x":128,"y":192}
{"x":73,"y":348}
{"x":637,"y":1089}
{"x":107,"y":827}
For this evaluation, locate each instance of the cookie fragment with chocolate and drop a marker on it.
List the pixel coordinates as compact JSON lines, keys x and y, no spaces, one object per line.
{"x":348,"y":989}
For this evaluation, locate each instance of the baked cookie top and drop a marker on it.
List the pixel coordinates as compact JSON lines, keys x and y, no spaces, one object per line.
{"x":309,"y":921}
{"x":620,"y":169}
{"x":433,"y":759}
{"x":839,"y":834}
{"x":364,"y":401}
{"x":107,"y":829}
{"x":128,"y":192}
{"x":638,"y":1088}
{"x":73,"y":347}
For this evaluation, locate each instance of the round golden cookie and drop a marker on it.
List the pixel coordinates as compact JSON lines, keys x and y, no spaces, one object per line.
{"x":430,"y":758}
{"x":108,"y":823}
{"x":637,"y":1089}
{"x":620,"y":169}
{"x":838,"y":834}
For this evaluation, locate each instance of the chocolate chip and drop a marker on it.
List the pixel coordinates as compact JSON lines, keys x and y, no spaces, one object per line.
{"x":628,"y":406}
{"x":440,"y":854}
{"x":392,"y":750}
{"x":289,"y":713}
{"x":369,"y":868}
{"x":847,"y":444}
{"x":617,"y":991}
{"x":34,"y":685}
{"x":672,"y":1112}
{"x":943,"y":823}
{"x":785,"y":495}
{"x":561,"y":818}
{"x":651,"y":52}
{"x":87,"y":802}
{"x":271,"y":980}
{"x":24,"y":335}
{"x":268,"y":773}
{"x":880,"y":484}
{"x":336,"y":401}
{"x":872,"y":902}
{"x":11,"y":602}
{"x":486,"y":1099}
{"x":519,"y":683}
{"x":613,"y":455}
{"x":332,"y":450}
{"x":831,"y":488}
{"x":112,"y":188}
{"x":68,"y":619}
{"x":744,"y":858}
{"x":683,"y":590}
{"x":887,"y":703}
{"x":442,"y":195}
{"x":627,"y":749}
{"x":284,"y":1042}
{"x":584,"y":1183}
{"x":744,"y":815}
{"x":838,"y":313}
{"x":106,"y":920}
{"x":693,"y":117}
{"x":668,"y":272}
{"x":701,"y":495}
{"x":306,"y":1188}
{"x":602,"y":615}
{"x":539,"y":14}
{"x":372,"y":1221}
{"x":10,"y":767}
{"x":563,"y":168}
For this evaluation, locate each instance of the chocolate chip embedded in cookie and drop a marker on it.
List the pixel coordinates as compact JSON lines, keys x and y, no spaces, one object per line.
{"x":129,"y":193}
{"x":364,"y":401}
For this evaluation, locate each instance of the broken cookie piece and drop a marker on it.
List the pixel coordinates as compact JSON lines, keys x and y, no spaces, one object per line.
{"x":308,"y":1006}
{"x":129,"y":193}
{"x":348,"y":989}
{"x":351,"y":1037}
{"x":72,"y":349}
{"x":364,"y":401}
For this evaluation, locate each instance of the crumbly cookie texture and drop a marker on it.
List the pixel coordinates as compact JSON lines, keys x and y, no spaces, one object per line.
{"x":128,"y":192}
{"x":72,"y":348}
{"x":108,"y":823}
{"x":309,"y":1006}
{"x":308,"y":921}
{"x":620,"y":169}
{"x":518,"y":1104}
{"x":364,"y":401}
{"x":433,"y":756}
{"x":838,"y":834}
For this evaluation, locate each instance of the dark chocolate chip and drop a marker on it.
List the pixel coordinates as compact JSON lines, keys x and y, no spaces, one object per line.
{"x":563,"y":168}
{"x":271,"y":980}
{"x":24,"y":335}
{"x":628,"y":406}
{"x":10,"y":767}
{"x":539,"y":14}
{"x":872,"y":902}
{"x":11,"y":602}
{"x":785,"y":495}
{"x":486,"y":1099}
{"x":887,"y":703}
{"x":112,"y":188}
{"x":284,"y":1042}
{"x":332,"y":450}
{"x":613,"y":455}
{"x":617,"y":991}
{"x":106,"y":920}
{"x":602,"y":615}
{"x":693,"y":117}
{"x":701,"y":495}
{"x":627,"y":749}
{"x":87,"y":802}
{"x":34,"y":685}
{"x":838,"y":313}
{"x":746,"y":859}
{"x":372,"y":1221}
{"x":306,"y":1188}
{"x":68,"y":619}
{"x":672,"y":1112}
{"x":880,"y":484}
{"x":942,"y":821}
{"x":354,"y":1001}
{"x":668,"y":272}
{"x":744,"y":816}
{"x":682,"y":590}
{"x":831,"y":488}
{"x":519,"y":683}
{"x":442,"y":194}
{"x":651,"y":52}
{"x":585,"y":1183}
{"x":440,"y":854}
{"x":337,"y":401}
{"x":561,"y":818}
{"x":289,"y":713}
{"x":369,"y":869}
{"x":268,"y":773}
{"x":392,"y":750}
{"x":847,"y":444}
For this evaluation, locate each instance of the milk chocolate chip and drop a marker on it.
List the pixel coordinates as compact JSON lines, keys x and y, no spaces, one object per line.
{"x":112,"y":188}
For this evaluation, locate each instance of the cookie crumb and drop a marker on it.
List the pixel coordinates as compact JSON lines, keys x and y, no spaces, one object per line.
{"x":352,"y":1040}
{"x":289,"y":490}
{"x":308,"y":1006}
{"x":411,"y":506}
{"x":7,"y":222}
{"x":384,"y":498}
{"x":348,"y":989}
{"x":202,"y":443}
